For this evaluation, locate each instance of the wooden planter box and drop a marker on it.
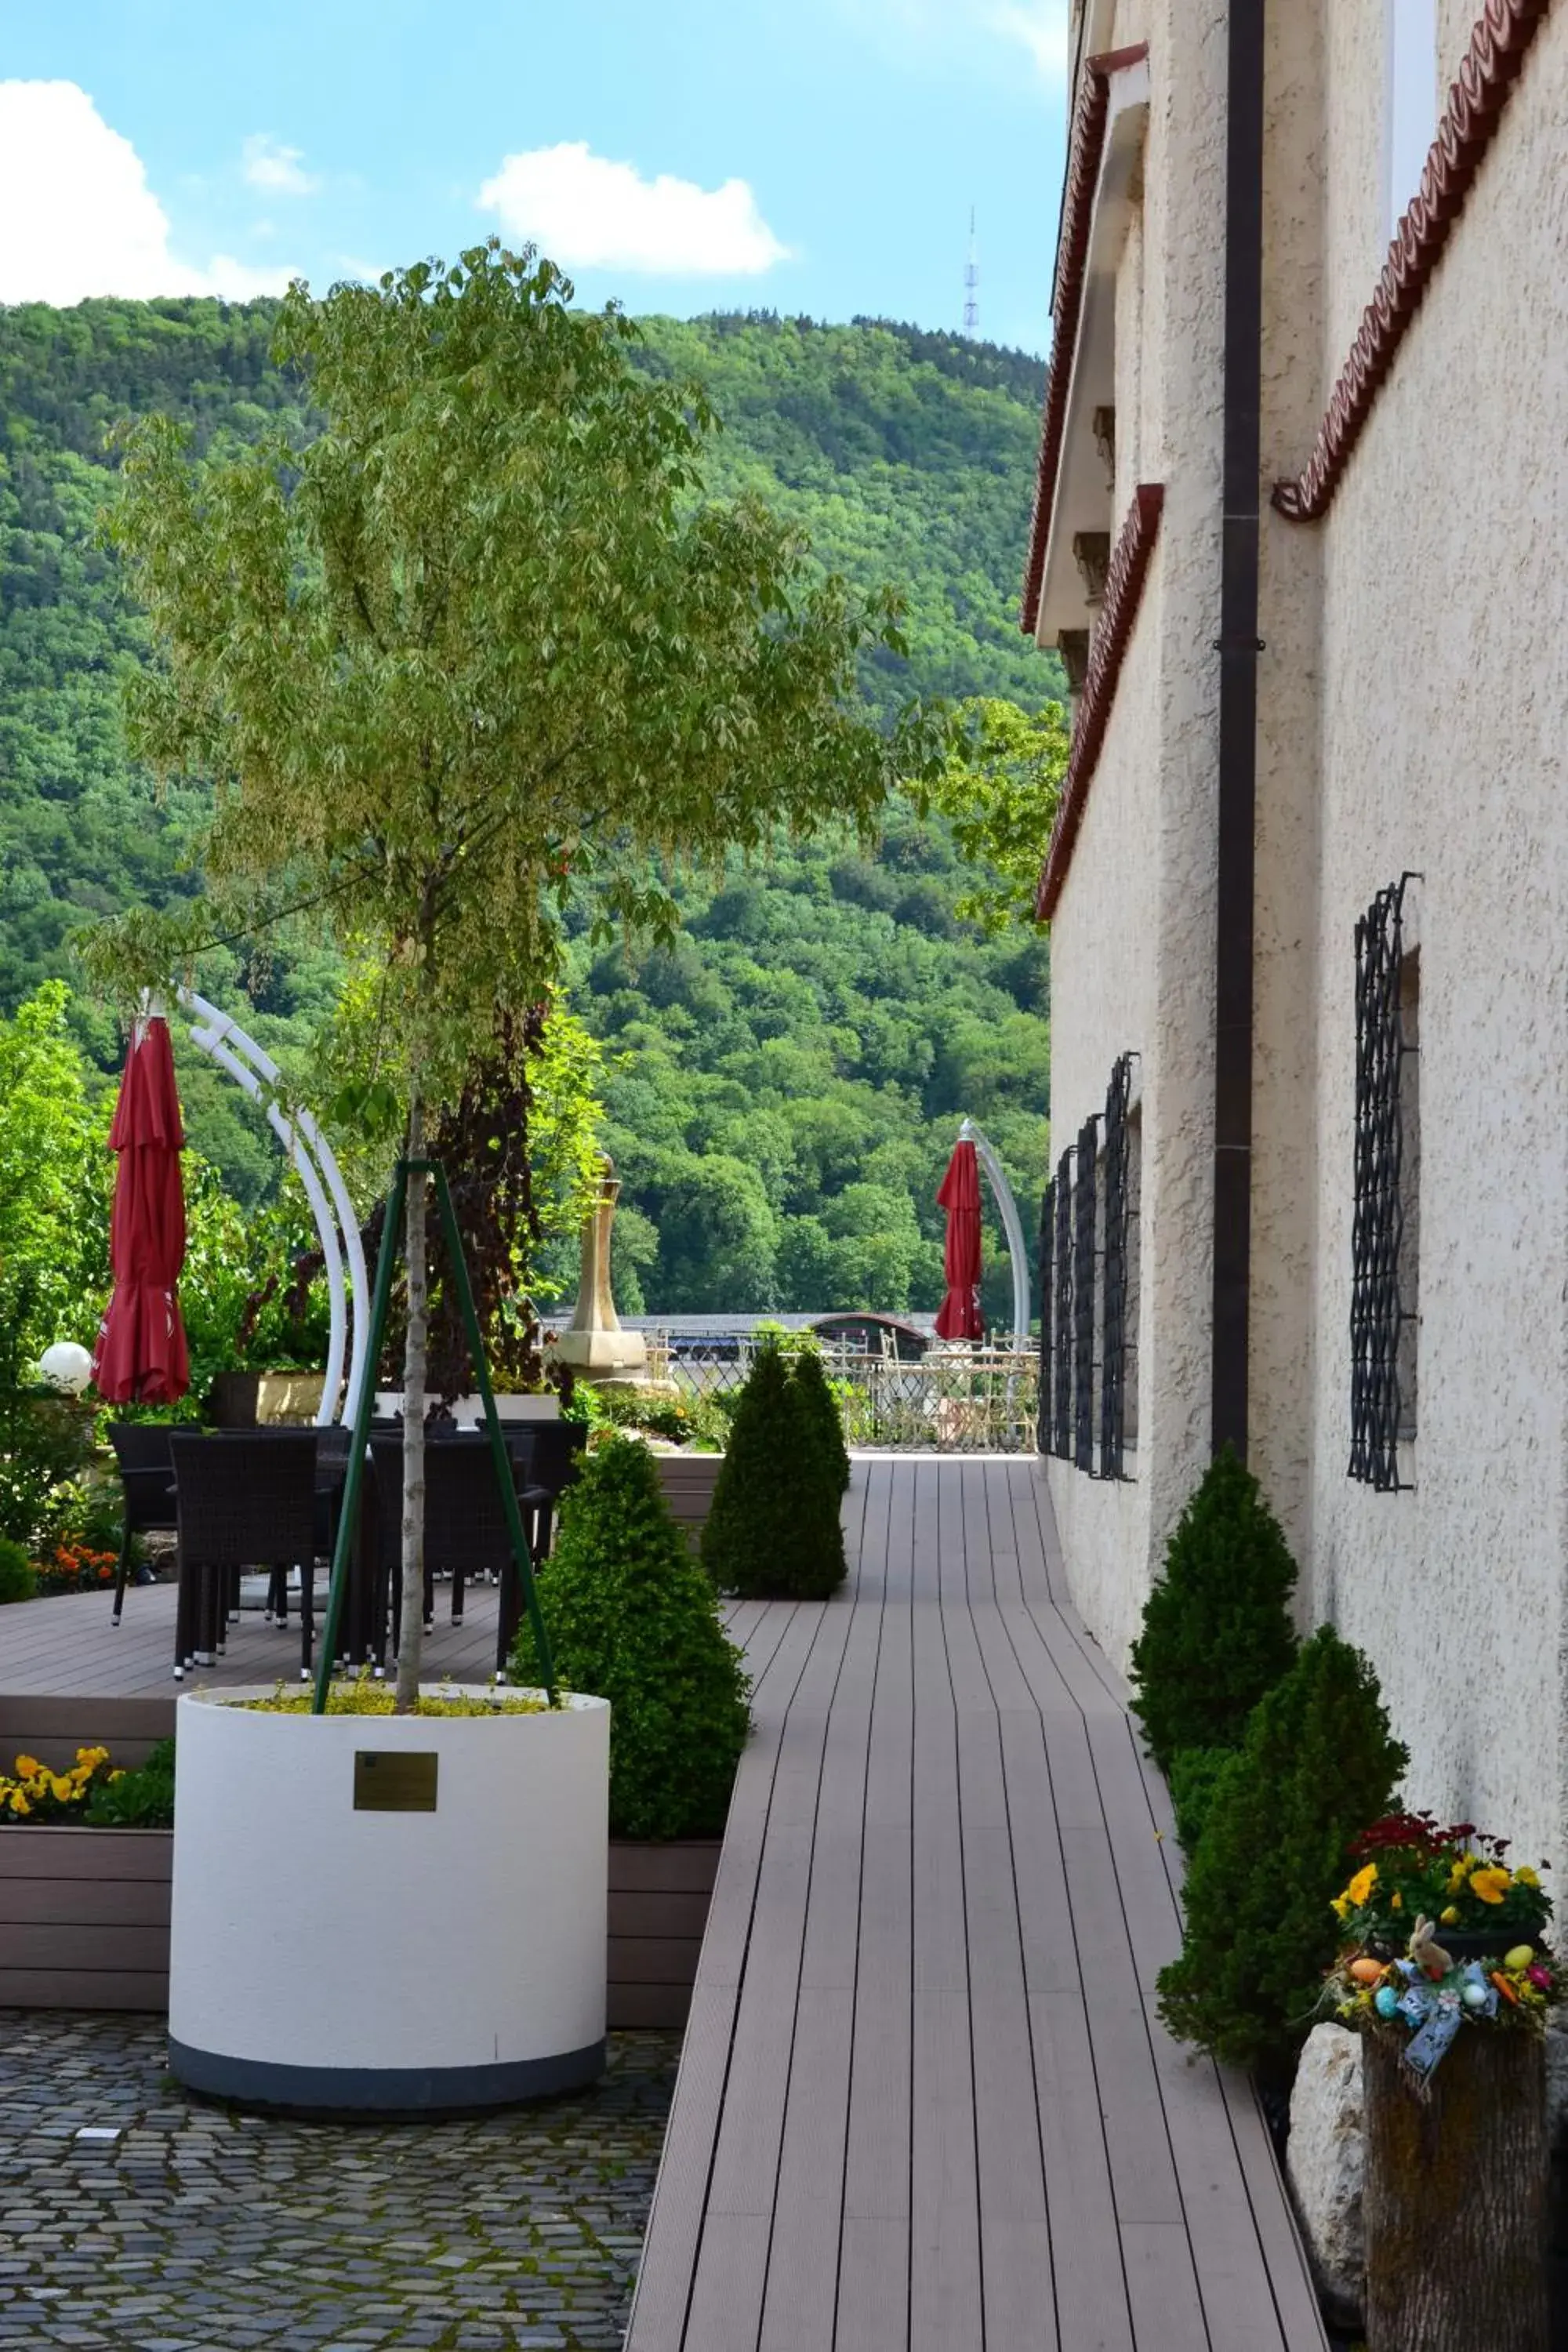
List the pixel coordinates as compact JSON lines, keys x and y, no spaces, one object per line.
{"x":688,"y":1480}
{"x":84,"y":1921}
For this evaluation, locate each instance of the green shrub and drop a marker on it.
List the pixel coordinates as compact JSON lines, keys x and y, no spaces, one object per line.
{"x":1216,"y":1632}
{"x":139,"y":1800}
{"x":772,"y":1528}
{"x":820,"y":1422}
{"x":1194,"y":1776}
{"x":668,"y":1414}
{"x":634,"y":1619}
{"x":1317,"y":1764}
{"x":18,"y":1577}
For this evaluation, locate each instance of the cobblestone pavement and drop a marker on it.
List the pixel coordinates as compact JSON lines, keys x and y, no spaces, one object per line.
{"x":202,"y":2231}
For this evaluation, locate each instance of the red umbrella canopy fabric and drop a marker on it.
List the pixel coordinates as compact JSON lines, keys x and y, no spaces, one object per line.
{"x":959,"y":1316}
{"x":141,"y":1357}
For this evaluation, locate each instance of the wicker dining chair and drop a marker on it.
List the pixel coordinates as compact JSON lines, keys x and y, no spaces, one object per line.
{"x":466,"y":1529}
{"x":243,"y":1499}
{"x":147,"y":1487}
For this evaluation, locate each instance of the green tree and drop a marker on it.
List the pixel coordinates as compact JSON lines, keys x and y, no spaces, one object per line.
{"x":55,"y":1183}
{"x":999,"y":790}
{"x":481,"y":642}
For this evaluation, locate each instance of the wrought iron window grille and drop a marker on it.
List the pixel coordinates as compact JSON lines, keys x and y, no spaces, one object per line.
{"x":1377,"y":1312}
{"x":1084,"y":1253}
{"x":1048,"y":1256}
{"x":1062,"y":1305}
{"x":1116,"y":1158}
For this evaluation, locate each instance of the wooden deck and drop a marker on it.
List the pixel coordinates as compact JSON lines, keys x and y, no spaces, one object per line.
{"x":925,"y":2103}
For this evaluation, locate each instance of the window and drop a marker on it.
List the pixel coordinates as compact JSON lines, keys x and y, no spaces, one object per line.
{"x":1387,"y":1170}
{"x":1115,"y":1212}
{"x":1410,"y":101}
{"x":1084,"y":1290}
{"x":1061,"y":1305}
{"x":1409,"y":1187}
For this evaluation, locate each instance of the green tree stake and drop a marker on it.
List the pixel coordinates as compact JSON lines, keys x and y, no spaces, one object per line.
{"x":354,"y":1477}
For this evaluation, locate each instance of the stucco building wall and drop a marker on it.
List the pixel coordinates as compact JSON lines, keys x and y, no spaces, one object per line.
{"x":1133,"y":939}
{"x":1444,"y":692}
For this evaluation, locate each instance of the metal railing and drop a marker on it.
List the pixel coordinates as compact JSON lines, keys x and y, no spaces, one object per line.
{"x":948,"y":1400}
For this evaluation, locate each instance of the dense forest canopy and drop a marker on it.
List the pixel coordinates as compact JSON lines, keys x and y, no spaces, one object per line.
{"x":782,"y":1085}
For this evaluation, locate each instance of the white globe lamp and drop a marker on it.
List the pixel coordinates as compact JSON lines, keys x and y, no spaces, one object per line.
{"x":66,"y":1366}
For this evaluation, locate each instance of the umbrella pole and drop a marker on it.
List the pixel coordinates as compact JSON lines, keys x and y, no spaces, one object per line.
{"x":348,"y":1517}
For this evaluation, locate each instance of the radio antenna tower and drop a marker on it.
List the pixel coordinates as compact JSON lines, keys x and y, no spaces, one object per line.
{"x":972,"y":283}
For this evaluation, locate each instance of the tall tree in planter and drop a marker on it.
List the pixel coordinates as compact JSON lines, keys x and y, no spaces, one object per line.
{"x":772,"y":1528}
{"x":479,"y":645}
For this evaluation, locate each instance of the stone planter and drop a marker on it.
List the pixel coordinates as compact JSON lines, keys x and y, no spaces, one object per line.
{"x":420,"y":1933}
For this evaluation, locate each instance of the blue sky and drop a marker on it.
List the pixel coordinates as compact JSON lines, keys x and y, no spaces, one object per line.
{"x":803,"y":155}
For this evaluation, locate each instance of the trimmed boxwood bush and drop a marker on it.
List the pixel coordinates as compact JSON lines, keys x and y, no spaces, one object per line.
{"x":1317,"y":1764}
{"x":1216,"y":1629}
{"x":820,"y":1423}
{"x":634,"y":1619}
{"x":773,"y":1529}
{"x":18,"y":1577}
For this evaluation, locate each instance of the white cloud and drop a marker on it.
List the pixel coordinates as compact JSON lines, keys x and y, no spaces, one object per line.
{"x":76,"y":216}
{"x":584,"y":211}
{"x":277,"y":169}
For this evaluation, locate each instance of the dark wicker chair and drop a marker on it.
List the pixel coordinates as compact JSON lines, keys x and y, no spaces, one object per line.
{"x":465,"y":1530}
{"x":245,"y":1499}
{"x":147,"y":1487}
{"x":550,"y":1454}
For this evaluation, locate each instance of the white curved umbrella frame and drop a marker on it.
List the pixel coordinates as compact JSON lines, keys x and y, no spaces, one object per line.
{"x":221,"y":1038}
{"x":1011,"y":1226}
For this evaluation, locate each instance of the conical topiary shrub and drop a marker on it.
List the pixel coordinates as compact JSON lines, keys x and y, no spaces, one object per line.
{"x":1317,"y":1765}
{"x":1216,"y":1632}
{"x":773,"y":1529}
{"x":820,"y":1422}
{"x":634,"y":1620}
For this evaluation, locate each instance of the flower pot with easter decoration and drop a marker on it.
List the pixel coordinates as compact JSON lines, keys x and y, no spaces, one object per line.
{"x":1454,"y":2084}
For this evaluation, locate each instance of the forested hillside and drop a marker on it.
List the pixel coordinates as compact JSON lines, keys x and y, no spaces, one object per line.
{"x":783,"y":1084}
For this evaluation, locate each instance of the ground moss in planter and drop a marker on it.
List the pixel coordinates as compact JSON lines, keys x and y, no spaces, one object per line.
{"x":634,"y":1619}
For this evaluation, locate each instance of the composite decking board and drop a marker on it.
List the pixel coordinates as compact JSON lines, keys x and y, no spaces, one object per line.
{"x":664,"y":2276}
{"x":1300,"y":2314}
{"x":945,"y":2300}
{"x":1163,"y":2289}
{"x":1238,"y":2303}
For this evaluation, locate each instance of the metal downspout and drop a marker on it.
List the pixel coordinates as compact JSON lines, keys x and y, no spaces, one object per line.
{"x":1239,"y":649}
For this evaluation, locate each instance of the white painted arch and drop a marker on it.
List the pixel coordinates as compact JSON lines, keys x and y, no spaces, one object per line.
{"x":218,"y":1035}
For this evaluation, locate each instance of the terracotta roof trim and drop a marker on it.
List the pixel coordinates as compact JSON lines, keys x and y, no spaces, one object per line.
{"x":1503,"y":32}
{"x":1084,"y":149}
{"x":1123,"y":592}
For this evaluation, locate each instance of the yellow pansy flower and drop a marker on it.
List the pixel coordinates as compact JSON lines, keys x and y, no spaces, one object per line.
{"x":1491,"y":1883}
{"x":1449,"y":1917}
{"x":1525,"y":1876}
{"x":29,"y":1767}
{"x":1361,"y":1885}
{"x":1396,"y":1902}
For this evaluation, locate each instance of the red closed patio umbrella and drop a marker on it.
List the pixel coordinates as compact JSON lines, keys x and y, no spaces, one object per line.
{"x":141,"y":1356}
{"x":959,"y":1316}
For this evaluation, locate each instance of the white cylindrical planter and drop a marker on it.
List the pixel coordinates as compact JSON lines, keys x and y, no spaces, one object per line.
{"x":335,"y":1952}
